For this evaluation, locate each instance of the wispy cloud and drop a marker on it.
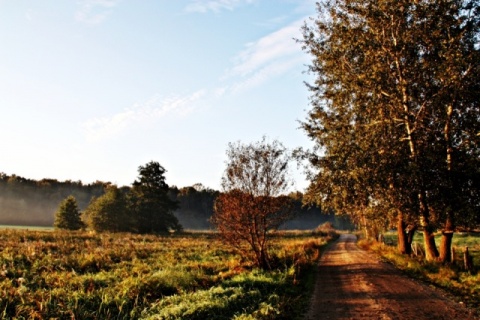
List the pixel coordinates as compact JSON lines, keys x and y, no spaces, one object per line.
{"x":203,"y":6}
{"x":94,"y":11}
{"x":154,"y":108}
{"x":267,"y":72}
{"x":267,"y":57}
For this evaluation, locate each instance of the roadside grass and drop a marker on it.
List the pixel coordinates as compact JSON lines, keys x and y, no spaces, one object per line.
{"x":82,"y":275}
{"x":452,"y":277}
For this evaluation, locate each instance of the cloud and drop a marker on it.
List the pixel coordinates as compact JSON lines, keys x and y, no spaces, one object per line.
{"x":203,"y":6}
{"x":267,"y":57}
{"x":264,"y":74}
{"x":155,"y":108}
{"x":94,"y":11}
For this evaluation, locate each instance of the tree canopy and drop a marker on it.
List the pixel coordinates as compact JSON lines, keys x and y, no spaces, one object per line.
{"x":109,"y":212}
{"x":395,"y":113}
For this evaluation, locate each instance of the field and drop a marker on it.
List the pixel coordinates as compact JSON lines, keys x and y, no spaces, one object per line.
{"x":452,"y":277}
{"x":78,"y":275}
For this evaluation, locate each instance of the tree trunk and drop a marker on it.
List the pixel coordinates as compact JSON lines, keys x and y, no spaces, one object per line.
{"x":410,"y":234}
{"x":446,"y":247}
{"x":447,"y":236}
{"x":366,"y":227}
{"x":431,"y":252}
{"x":263,"y":260}
{"x":402,"y":244}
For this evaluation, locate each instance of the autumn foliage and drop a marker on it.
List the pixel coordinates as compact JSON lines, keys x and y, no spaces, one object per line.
{"x":242,"y":218}
{"x":252,"y":204}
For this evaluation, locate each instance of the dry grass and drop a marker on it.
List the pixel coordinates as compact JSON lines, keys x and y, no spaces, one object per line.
{"x":123,"y":276}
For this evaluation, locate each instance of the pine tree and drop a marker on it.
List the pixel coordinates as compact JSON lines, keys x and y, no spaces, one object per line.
{"x":67,"y":216}
{"x":150,"y":203}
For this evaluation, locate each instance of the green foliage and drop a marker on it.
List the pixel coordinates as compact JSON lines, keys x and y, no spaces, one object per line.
{"x":125,"y":276}
{"x":256,"y":295}
{"x":395,"y":112}
{"x":67,"y":216}
{"x":150,"y":203}
{"x":109,"y":212}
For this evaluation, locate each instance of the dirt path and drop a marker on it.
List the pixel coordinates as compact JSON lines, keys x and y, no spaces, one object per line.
{"x":353,"y":284}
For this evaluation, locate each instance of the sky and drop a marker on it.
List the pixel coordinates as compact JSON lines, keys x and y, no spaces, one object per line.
{"x":92,"y":89}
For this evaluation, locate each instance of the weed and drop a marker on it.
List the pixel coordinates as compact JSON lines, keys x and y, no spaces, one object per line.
{"x":57,"y":274}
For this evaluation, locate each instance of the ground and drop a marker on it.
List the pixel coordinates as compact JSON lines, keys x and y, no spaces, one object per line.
{"x":353,"y":284}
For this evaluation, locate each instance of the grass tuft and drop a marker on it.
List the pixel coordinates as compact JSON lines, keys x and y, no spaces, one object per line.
{"x":57,"y":274}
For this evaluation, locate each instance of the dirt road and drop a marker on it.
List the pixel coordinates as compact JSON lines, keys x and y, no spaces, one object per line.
{"x":353,"y":284}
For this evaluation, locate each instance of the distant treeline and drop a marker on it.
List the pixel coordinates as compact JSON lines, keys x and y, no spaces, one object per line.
{"x":34,"y":202}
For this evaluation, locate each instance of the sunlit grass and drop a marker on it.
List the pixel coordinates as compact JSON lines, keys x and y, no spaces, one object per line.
{"x":123,"y":276}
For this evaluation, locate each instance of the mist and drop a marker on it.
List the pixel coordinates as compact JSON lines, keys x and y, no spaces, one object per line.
{"x":27,"y":202}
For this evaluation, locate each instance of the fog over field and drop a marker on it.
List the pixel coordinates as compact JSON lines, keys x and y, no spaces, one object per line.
{"x":29,"y":202}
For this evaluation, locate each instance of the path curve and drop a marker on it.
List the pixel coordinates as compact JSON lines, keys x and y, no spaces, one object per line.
{"x":353,"y":284}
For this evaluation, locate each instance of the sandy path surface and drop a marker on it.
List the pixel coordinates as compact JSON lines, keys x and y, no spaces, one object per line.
{"x":353,"y":284}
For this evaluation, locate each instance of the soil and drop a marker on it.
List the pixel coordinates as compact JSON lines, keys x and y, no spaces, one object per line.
{"x":353,"y":284}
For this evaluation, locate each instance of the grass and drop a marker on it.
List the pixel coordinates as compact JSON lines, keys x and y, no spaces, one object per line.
{"x":34,"y":228}
{"x":53,"y":274}
{"x":452,"y":277}
{"x":459,"y":242}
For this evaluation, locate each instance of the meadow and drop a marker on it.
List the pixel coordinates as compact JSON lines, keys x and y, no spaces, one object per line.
{"x":452,"y":277}
{"x":80,"y":275}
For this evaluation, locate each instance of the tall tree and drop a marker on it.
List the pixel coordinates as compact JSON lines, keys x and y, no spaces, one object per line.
{"x":253,"y":202}
{"x":395,"y":109}
{"x":149,"y":201}
{"x":67,"y":216}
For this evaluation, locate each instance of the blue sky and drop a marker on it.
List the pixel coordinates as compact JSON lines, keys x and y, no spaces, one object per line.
{"x":92,"y":89}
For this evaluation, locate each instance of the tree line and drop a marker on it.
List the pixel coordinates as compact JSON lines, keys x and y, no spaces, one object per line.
{"x":395,"y":116}
{"x":144,"y":208}
{"x":32,"y":202}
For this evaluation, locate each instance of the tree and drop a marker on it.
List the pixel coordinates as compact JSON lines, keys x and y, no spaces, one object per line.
{"x":109,"y":212}
{"x":252,"y":202}
{"x":395,"y":112}
{"x":149,"y":201}
{"x":67,"y":216}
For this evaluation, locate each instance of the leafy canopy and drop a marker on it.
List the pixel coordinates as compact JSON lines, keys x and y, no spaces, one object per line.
{"x":395,"y":108}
